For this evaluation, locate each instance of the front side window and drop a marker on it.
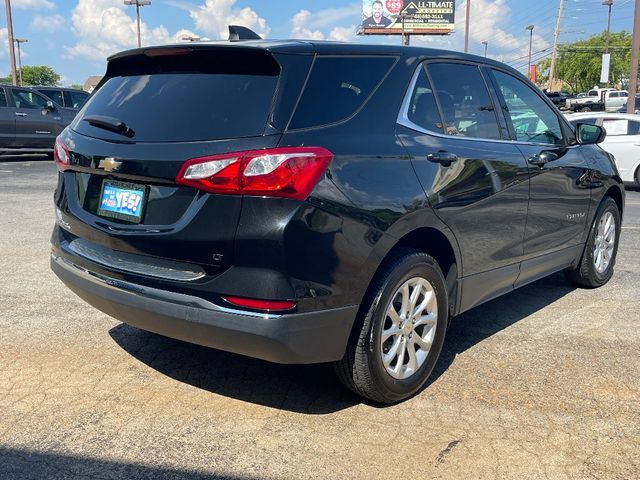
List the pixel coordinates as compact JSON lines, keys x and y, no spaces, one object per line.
{"x":620,"y":126}
{"x":466,"y":106}
{"x":26,"y":99}
{"x":533,"y":120}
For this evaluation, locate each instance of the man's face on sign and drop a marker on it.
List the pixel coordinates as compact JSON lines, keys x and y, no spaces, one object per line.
{"x":377,"y":11}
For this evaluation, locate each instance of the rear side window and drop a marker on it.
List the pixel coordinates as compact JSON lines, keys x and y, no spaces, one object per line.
{"x":55,"y":95}
{"x":466,"y":106}
{"x":75,"y":99}
{"x":337,"y":88}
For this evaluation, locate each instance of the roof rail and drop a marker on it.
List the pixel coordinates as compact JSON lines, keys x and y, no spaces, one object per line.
{"x":238,"y":33}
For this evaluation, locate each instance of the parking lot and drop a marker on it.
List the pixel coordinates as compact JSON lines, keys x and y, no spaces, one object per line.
{"x":541,"y":383}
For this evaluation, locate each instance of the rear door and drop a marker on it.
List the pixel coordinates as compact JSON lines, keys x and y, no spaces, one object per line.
{"x":36,"y":125}
{"x":560,"y":195}
{"x":477,"y":183}
{"x":7,"y":121}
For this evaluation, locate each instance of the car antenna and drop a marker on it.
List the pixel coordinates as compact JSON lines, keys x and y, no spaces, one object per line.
{"x":238,"y":33}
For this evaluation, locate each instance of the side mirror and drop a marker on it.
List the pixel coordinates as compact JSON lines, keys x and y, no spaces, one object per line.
{"x":588,"y":134}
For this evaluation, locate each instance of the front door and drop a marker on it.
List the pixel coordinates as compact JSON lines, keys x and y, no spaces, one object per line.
{"x":560,"y":195}
{"x":477,"y":183}
{"x":7,"y":122}
{"x":36,"y":125}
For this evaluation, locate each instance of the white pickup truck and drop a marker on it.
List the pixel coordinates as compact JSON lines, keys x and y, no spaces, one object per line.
{"x":598,"y":99}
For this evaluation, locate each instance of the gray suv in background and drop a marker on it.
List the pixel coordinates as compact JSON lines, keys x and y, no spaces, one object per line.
{"x":30,"y":121}
{"x":70,"y":98}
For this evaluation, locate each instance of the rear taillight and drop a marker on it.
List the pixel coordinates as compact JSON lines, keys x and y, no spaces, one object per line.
{"x":264,"y":305}
{"x":61,"y":155}
{"x":290,"y":172}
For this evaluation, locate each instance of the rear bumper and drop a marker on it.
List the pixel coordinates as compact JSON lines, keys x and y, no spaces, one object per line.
{"x":312,"y":337}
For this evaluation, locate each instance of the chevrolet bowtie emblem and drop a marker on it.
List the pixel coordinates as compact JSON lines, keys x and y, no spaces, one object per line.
{"x":109,"y":164}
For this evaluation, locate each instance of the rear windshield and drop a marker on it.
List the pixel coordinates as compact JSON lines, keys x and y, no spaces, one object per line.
{"x":175,"y":107}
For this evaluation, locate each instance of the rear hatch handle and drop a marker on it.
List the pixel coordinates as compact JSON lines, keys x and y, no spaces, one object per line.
{"x":109,"y":123}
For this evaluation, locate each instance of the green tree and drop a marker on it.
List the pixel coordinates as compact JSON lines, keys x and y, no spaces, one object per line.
{"x":40,"y":75}
{"x":578,"y":64}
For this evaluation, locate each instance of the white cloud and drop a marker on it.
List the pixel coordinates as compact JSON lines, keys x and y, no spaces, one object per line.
{"x":343,"y":34}
{"x":47,"y":23}
{"x":300,"y":27}
{"x":214,"y":17}
{"x":103,"y":27}
{"x":313,"y":26}
{"x":33,"y":4}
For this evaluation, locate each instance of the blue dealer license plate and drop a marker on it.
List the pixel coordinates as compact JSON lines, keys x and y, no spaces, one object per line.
{"x":121,"y":200}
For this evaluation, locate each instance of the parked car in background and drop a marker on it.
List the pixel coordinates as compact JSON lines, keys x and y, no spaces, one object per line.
{"x":559,"y":99}
{"x":622,"y":141}
{"x":29,"y":121}
{"x":597,"y":100}
{"x":255,"y":207}
{"x":623,"y":108}
{"x":70,"y":98}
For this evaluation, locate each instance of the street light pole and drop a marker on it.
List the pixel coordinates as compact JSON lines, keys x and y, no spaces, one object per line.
{"x":18,"y":42}
{"x":633,"y":75}
{"x":466,"y":28}
{"x":486,"y":45}
{"x":530,"y":28}
{"x":12,"y":53}
{"x":138,"y":4}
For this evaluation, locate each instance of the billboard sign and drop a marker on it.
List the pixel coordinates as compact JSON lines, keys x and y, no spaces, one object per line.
{"x":386,"y":17}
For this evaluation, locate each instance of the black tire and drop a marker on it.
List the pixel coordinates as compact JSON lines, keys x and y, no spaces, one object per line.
{"x":638,"y":177}
{"x":361,"y":369}
{"x":585,"y":109}
{"x":585,"y":274}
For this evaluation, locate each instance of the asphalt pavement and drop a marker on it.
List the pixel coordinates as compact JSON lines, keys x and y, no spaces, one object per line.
{"x":541,"y":383}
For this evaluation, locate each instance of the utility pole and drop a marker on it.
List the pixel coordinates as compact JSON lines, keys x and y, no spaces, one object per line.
{"x":608,"y":3}
{"x":138,"y":4}
{"x":530,"y":28}
{"x":554,"y":56}
{"x":12,"y":53}
{"x":466,"y":28}
{"x":486,"y":46}
{"x":18,"y":42}
{"x":633,"y":76}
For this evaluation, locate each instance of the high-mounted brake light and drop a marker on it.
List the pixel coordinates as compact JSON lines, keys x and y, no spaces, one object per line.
{"x":290,"y":172}
{"x":61,"y":155}
{"x":265,"y":305}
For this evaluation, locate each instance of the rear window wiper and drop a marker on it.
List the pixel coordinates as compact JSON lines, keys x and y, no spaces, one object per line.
{"x":109,"y":123}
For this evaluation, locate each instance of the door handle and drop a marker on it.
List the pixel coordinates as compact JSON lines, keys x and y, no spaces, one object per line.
{"x":442,"y":157}
{"x":20,"y":114}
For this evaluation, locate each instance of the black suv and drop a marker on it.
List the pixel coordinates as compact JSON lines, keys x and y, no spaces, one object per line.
{"x":308,"y":202}
{"x":29,"y":121}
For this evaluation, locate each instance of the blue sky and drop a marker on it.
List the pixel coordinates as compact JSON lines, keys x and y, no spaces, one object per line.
{"x":75,"y":36}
